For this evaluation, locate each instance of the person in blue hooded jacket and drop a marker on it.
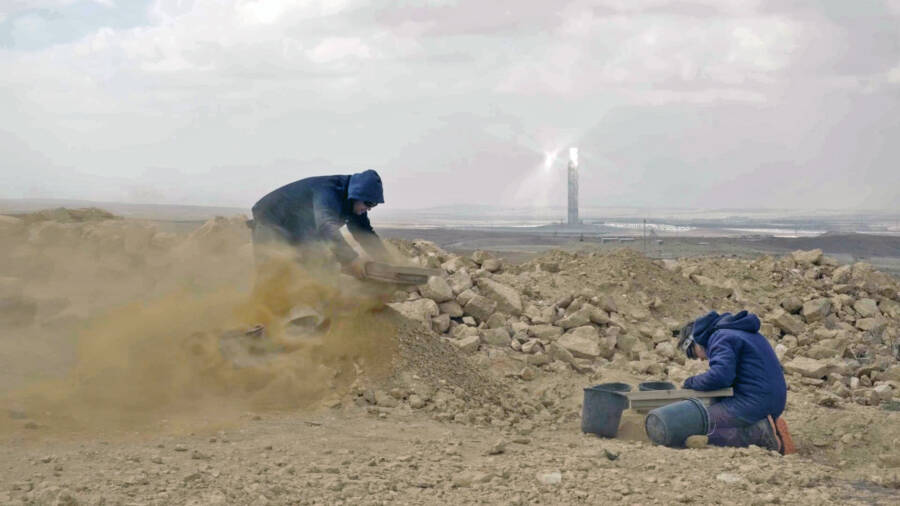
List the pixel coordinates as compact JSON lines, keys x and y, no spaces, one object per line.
{"x":315,"y":208}
{"x":741,"y":358}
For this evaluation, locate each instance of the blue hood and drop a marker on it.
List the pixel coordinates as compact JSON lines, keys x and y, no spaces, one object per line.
{"x":713,"y":321}
{"x":366,"y":186}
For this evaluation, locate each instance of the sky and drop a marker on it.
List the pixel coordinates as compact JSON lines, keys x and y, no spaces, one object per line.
{"x":693,"y":103}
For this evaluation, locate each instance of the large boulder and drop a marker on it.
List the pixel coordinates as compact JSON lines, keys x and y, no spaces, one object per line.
{"x":495,"y":337}
{"x":491,"y":265}
{"x":792,"y":304}
{"x":890,"y":308}
{"x":866,"y":308}
{"x":874,"y":325}
{"x":548,"y":332}
{"x":480,"y":307}
{"x":441,"y":323}
{"x":577,"y":319}
{"x":842,"y":274}
{"x":808,"y":367}
{"x":582,"y":342}
{"x":816,"y":310}
{"x":422,"y":310}
{"x":788,"y":323}
{"x":459,"y":281}
{"x":437,"y":290}
{"x":452,"y":308}
{"x":507,"y":298}
{"x":455,"y":264}
{"x":811,"y":257}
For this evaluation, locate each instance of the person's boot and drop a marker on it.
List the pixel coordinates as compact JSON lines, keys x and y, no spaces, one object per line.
{"x":784,"y":435}
{"x":764,"y":435}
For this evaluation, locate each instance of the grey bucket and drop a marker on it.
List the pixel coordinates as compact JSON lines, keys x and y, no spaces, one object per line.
{"x":671,"y":424}
{"x":602,"y":409}
{"x":656,"y":385}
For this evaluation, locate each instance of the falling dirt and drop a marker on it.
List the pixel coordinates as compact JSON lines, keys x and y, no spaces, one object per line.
{"x":161,"y":353}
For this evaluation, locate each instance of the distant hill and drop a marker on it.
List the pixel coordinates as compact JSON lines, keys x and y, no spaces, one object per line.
{"x":162,"y":212}
{"x":865,"y":245}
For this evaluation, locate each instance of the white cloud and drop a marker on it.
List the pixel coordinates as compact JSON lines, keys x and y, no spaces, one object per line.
{"x":334,"y":49}
{"x":219,"y":83}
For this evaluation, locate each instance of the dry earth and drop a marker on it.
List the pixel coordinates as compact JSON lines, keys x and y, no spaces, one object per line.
{"x":129,"y":376}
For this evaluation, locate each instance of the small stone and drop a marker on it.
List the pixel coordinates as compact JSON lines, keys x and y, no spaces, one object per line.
{"x":180,"y":448}
{"x":730,"y":478}
{"x":610,"y":455}
{"x":468,"y":344}
{"x":828,"y":399}
{"x":497,"y":448}
{"x":883,"y":392}
{"x":528,"y":374}
{"x":539,"y":359}
{"x":416,"y":402}
{"x":532,"y":346}
{"x":198,"y":455}
{"x":696,"y":442}
{"x":550,"y":478}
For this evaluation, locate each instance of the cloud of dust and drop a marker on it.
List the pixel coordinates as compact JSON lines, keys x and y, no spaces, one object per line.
{"x":156,"y":325}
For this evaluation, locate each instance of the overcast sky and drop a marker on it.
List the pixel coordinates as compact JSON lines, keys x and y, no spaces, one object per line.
{"x":692,"y":103}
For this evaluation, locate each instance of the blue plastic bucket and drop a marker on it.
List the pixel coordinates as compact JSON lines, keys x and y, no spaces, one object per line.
{"x":673,"y":423}
{"x":602,"y":409}
{"x":656,"y":385}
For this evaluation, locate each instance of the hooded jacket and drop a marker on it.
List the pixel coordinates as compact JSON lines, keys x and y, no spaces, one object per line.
{"x":740,"y":357}
{"x":316,"y":208}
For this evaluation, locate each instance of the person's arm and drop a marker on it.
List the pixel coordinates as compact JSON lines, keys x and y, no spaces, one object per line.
{"x":327,"y":213}
{"x":361,"y":229}
{"x":722,"y":366}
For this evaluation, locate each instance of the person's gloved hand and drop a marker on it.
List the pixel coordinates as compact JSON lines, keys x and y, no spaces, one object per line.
{"x":357,"y":268}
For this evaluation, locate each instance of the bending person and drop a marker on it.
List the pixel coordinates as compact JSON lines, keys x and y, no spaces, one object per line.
{"x":741,"y":358}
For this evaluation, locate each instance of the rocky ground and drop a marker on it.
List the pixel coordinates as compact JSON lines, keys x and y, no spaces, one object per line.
{"x":465,"y":390}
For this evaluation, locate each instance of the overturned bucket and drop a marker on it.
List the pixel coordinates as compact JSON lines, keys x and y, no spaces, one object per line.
{"x":673,"y":423}
{"x":602,"y":409}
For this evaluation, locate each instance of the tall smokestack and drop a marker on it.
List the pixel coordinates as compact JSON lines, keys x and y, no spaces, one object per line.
{"x":573,"y":187}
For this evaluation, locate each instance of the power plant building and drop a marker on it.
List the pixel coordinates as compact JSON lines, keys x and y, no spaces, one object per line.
{"x":573,"y":187}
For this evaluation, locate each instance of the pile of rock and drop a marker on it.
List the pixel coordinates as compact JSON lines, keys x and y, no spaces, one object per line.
{"x":833,"y":326}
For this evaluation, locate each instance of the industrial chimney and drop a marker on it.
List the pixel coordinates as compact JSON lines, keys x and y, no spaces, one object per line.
{"x":573,"y":187}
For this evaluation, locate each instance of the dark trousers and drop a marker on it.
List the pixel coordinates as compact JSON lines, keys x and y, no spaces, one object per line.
{"x":728,"y":430}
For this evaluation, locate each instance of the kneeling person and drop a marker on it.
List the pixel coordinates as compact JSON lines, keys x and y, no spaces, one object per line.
{"x":741,"y":358}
